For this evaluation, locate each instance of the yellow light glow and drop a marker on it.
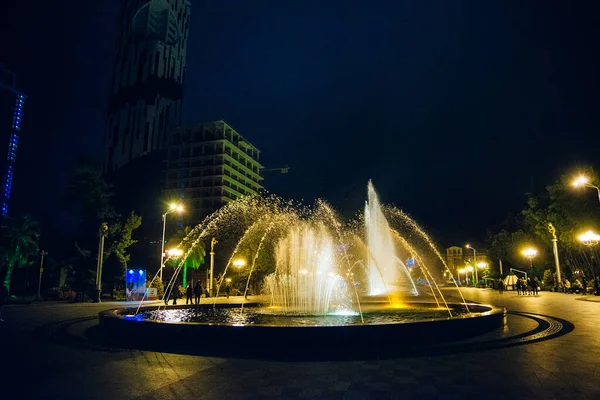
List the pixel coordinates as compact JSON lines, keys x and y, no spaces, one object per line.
{"x":580,"y":181}
{"x":468,"y":246}
{"x":530,"y":252}
{"x":482,"y":265}
{"x":590,"y":237}
{"x":397,"y":305}
{"x":462,"y":271}
{"x":274,"y":307}
{"x":239,"y":263}
{"x":228,"y":280}
{"x":175,"y":252}
{"x":470,"y":268}
{"x":176,"y":207}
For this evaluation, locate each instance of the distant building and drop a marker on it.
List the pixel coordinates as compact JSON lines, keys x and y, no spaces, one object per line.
{"x":454,"y":258}
{"x":147,"y":88}
{"x":209,"y":165}
{"x":12,"y":103}
{"x":459,"y":257}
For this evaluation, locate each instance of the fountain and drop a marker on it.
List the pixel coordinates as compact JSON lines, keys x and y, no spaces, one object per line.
{"x":316,"y":272}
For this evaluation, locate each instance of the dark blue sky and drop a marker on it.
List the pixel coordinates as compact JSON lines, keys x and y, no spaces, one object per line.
{"x":453,"y":108}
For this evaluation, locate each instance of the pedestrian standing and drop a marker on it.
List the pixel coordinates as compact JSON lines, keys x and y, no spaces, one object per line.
{"x":518,"y":287}
{"x":501,"y":286}
{"x":189,"y":293}
{"x":197,"y":292}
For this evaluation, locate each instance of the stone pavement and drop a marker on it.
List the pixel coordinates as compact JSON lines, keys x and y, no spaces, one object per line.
{"x":45,"y":354}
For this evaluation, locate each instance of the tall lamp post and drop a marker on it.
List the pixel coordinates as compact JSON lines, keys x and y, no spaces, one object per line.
{"x":42,"y":255}
{"x":584,"y":181}
{"x":470,"y":269}
{"x":173,"y":207}
{"x":212,"y":265}
{"x":552,"y":230}
{"x":468,"y":246}
{"x":462,"y":271}
{"x":482,"y":265}
{"x":239,"y":264}
{"x":103,"y":232}
{"x":591,"y":239}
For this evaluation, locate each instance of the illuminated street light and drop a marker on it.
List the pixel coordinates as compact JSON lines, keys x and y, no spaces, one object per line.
{"x":482,"y":265}
{"x":239,"y":263}
{"x":530,"y":253}
{"x":591,"y":239}
{"x":468,"y":246}
{"x":175,"y":252}
{"x":470,"y":269}
{"x":584,"y":181}
{"x":173,"y":207}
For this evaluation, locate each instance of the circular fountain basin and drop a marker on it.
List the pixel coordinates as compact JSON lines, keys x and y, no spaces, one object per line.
{"x":223,"y":326}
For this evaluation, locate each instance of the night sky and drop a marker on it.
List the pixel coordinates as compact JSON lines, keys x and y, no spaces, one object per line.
{"x":454,"y":108}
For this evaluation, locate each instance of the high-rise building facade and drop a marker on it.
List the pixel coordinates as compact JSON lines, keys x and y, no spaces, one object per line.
{"x":147,"y":88}
{"x":209,"y":165}
{"x":11,"y":113}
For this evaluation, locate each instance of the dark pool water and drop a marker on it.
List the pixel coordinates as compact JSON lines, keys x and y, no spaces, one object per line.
{"x":266,"y":316}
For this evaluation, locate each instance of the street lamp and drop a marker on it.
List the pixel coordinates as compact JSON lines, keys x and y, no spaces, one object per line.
{"x":584,"y":181}
{"x":470,"y":269}
{"x":173,"y":207}
{"x":462,"y":271}
{"x":591,"y":239}
{"x":239,"y":263}
{"x":42,"y":255}
{"x":174,"y":253}
{"x":468,"y":246}
{"x":530,"y":254}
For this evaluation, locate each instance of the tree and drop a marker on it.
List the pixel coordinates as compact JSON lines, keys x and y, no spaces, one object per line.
{"x":569,"y":212}
{"x":123,"y":239}
{"x":89,"y":196}
{"x":195,"y":259}
{"x":88,"y":193}
{"x":19,"y":244}
{"x":508,"y":247}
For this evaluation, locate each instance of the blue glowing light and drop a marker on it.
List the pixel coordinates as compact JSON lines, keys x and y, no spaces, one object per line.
{"x":131,"y":271}
{"x":141,"y":272}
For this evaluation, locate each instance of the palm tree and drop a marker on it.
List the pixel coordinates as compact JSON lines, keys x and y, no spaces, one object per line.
{"x":19,"y":243}
{"x":196,"y":257}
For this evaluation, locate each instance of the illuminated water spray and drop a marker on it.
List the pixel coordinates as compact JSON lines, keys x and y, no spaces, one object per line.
{"x":382,"y":258}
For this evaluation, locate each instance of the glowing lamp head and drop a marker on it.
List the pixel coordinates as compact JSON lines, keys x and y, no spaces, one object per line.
{"x":175,"y":252}
{"x":470,"y":268}
{"x":462,"y":271}
{"x":530,"y":252}
{"x":580,"y":181}
{"x":228,"y":280}
{"x":176,"y":207}
{"x":589,"y":238}
{"x":468,"y":246}
{"x":482,"y":265}
{"x":239,"y":263}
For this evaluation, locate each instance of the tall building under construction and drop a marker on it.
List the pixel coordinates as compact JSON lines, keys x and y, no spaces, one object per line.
{"x":209,"y":165}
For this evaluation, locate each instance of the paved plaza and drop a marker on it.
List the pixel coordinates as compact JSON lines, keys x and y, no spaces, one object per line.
{"x":549,"y":349}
